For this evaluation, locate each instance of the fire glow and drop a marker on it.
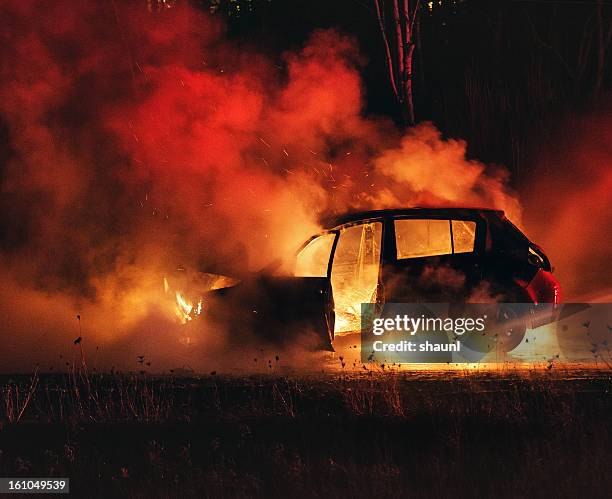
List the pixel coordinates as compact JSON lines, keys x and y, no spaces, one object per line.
{"x":183,"y":148}
{"x":185,"y":311}
{"x":220,"y":166}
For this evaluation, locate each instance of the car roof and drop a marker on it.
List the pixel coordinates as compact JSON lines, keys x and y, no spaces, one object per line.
{"x":451,"y":212}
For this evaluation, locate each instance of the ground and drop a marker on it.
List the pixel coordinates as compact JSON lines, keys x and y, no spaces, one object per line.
{"x":431,"y":433}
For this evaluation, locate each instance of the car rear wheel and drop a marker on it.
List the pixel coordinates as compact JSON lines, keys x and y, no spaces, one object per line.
{"x":511,"y":328}
{"x":505,"y":329}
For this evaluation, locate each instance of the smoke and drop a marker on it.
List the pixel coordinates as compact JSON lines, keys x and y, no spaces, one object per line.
{"x":568,"y":204}
{"x":436,"y":172}
{"x":139,"y":146}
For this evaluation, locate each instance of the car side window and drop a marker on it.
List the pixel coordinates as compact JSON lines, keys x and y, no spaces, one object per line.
{"x":313,"y":259}
{"x":419,"y":238}
{"x":464,"y":236}
{"x":354,"y":276}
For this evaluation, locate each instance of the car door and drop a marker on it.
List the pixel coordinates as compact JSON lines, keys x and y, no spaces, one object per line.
{"x":281,"y":308}
{"x":432,"y":259}
{"x":355,"y":273}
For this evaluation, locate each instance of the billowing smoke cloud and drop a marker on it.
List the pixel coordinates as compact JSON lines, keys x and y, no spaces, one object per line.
{"x":430,"y":171}
{"x":138,"y":146}
{"x":568,"y":204}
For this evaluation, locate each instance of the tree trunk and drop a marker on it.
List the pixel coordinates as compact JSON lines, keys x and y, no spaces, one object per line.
{"x":408,"y":107}
{"x":400,"y":60}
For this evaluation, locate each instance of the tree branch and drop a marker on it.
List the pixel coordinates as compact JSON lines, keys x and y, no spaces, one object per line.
{"x":381,"y":24}
{"x":400,"y":45}
{"x":414,"y":15}
{"x":550,"y":47}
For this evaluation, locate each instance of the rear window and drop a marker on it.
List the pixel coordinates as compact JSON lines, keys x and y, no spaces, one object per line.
{"x":508,"y":238}
{"x":418,"y":238}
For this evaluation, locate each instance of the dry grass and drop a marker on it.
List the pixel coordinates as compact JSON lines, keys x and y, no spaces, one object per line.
{"x":369,"y":434}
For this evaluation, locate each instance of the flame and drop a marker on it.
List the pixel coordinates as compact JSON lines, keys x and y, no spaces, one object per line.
{"x":185,"y":308}
{"x":185,"y":311}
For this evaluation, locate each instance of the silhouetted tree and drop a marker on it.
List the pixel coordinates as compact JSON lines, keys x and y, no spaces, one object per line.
{"x":396,"y":20}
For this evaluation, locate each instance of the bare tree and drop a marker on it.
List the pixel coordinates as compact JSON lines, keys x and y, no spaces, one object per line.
{"x":396,"y":19}
{"x":588,"y":68}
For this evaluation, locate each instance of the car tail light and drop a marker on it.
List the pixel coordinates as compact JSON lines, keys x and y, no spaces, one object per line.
{"x":544,"y":288}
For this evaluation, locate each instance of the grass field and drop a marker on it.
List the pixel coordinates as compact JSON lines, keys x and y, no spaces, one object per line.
{"x":500,"y":433}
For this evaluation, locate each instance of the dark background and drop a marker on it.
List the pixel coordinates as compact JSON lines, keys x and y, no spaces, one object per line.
{"x":501,"y":74}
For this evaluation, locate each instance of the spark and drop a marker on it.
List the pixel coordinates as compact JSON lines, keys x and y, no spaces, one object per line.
{"x":265,"y":143}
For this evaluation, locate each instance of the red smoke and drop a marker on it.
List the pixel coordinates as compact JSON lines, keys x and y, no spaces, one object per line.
{"x":567,"y":204}
{"x":135,"y":144}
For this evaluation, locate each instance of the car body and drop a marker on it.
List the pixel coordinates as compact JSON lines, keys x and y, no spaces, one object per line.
{"x":411,"y":255}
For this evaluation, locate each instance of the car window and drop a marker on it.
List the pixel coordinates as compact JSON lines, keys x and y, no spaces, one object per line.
{"x":354,"y":274}
{"x":418,"y":238}
{"x":313,"y":259}
{"x":464,"y":235}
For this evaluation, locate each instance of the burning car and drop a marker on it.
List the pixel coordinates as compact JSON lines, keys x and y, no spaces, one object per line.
{"x":415,"y":255}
